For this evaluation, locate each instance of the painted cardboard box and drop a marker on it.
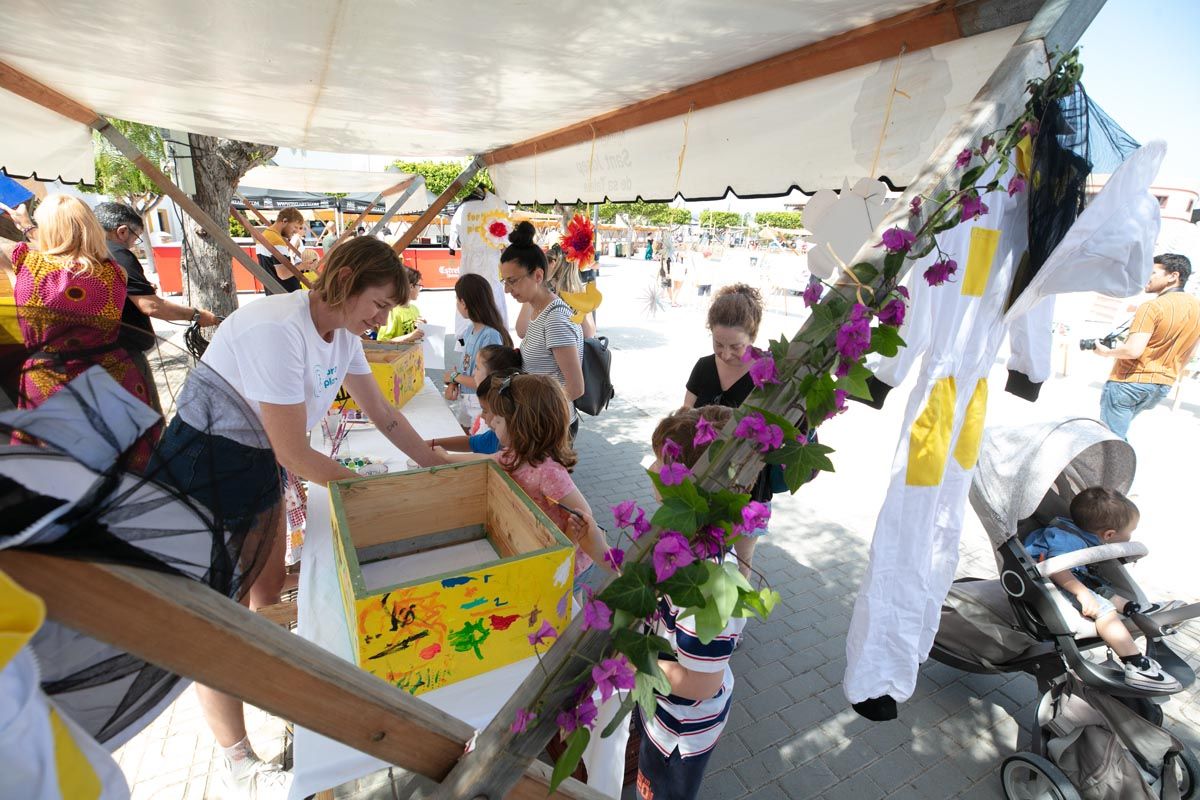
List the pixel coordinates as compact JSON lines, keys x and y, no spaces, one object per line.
{"x":445,"y":572}
{"x":399,"y":369}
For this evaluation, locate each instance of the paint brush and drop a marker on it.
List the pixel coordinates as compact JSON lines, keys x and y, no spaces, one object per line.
{"x":568,"y":509}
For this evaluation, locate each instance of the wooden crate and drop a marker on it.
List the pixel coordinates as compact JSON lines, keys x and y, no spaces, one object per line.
{"x":399,"y":369}
{"x":430,"y":630}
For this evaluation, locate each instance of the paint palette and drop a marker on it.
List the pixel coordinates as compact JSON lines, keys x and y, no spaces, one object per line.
{"x":363,"y":465}
{"x":445,"y":572}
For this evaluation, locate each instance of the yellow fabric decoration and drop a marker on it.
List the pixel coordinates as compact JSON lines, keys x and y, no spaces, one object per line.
{"x":583,"y":302}
{"x":21,"y":614}
{"x":970,"y":437}
{"x":984,"y":242}
{"x":929,"y":439}
{"x":1024,"y":155}
{"x":76,"y":777}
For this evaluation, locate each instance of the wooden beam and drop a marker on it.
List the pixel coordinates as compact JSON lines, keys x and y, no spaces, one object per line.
{"x":924,"y":27}
{"x":257,"y":235}
{"x":445,"y":197}
{"x":416,"y":183}
{"x":346,"y":230}
{"x":180,"y":624}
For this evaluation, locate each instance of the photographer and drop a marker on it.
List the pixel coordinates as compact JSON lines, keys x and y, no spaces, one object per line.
{"x":1161,"y":338}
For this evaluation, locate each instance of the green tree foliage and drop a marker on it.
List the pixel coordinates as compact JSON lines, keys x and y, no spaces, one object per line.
{"x":779,"y":219}
{"x":720,"y":219}
{"x":235,"y":227}
{"x":644,"y":213}
{"x":117,"y":176}
{"x":440,"y":174}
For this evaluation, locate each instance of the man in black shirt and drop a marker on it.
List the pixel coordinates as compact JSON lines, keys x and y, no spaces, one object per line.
{"x":124,"y":229}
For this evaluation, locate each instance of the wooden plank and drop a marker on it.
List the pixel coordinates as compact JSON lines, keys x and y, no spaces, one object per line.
{"x":1061,"y":23}
{"x":445,"y":197}
{"x":432,"y":541}
{"x":514,"y":526}
{"x":390,"y":508}
{"x":35,"y":91}
{"x":258,"y":236}
{"x":932,"y":24}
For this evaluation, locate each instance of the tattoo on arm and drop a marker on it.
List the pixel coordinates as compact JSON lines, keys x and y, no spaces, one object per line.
{"x":391,"y":426}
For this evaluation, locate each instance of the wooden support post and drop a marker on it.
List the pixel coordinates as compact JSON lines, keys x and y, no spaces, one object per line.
{"x":416,"y":183}
{"x":265,"y":222}
{"x":21,"y":84}
{"x":346,"y":230}
{"x":445,"y":197}
{"x":500,"y":756}
{"x":189,"y":629}
{"x":257,"y":235}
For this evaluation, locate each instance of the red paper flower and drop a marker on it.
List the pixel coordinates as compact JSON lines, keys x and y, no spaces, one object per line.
{"x":579,"y":245}
{"x":498,"y":229}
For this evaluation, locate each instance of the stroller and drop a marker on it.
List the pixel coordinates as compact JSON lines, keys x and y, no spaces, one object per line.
{"x":1095,"y":736}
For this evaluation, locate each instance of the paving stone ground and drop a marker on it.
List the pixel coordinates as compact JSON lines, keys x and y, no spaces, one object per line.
{"x":791,"y":733}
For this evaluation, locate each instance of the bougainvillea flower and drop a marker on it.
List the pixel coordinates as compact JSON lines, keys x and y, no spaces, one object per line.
{"x":524,"y":717}
{"x":755,"y":516}
{"x":986,"y":144}
{"x":674,"y":474}
{"x":843,"y":368}
{"x":972,"y":206}
{"x":963,"y":158}
{"x":1030,"y":129}
{"x":893,"y":313}
{"x":754,"y":427}
{"x":705,"y":433}
{"x":914,"y":205}
{"x":671,"y":451}
{"x":670,"y":553}
{"x":854,"y":337}
{"x":582,"y":716}
{"x":940,"y":271}
{"x":839,"y":403}
{"x":613,"y":674}
{"x":897,"y":240}
{"x":614,"y":557}
{"x":579,"y":244}
{"x":1017,"y":184}
{"x":762,"y":371}
{"x":812,"y":293}
{"x":596,"y":616}
{"x":623,"y":513}
{"x":641,"y":525}
{"x":708,"y":542}
{"x":543,"y":633}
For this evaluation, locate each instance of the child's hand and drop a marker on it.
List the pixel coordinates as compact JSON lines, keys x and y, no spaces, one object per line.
{"x":1088,"y":606}
{"x":578,"y":528}
{"x":415,"y":336}
{"x":452,"y":392}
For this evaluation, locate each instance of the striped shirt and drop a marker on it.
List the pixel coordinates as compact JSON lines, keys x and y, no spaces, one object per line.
{"x":549,"y":330}
{"x":693,"y":726}
{"x":1173,"y":321}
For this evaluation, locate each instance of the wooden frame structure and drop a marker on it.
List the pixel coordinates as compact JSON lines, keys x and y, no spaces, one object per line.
{"x":180,"y":623}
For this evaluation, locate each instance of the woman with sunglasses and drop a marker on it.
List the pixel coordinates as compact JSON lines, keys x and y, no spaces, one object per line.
{"x":553,"y":344}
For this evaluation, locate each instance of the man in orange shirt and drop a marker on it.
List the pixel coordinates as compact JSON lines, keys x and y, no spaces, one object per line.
{"x":1161,"y":339}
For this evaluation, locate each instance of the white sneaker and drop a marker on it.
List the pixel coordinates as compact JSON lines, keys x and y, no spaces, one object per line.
{"x":253,"y":779}
{"x":1151,"y":676}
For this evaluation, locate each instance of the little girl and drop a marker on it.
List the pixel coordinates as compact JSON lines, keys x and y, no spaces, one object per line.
{"x":401,"y":325}
{"x":476,"y":303}
{"x":530,"y":417}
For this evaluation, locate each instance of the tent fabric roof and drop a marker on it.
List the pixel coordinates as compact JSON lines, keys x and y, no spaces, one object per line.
{"x":325,"y":181}
{"x":349,"y":77}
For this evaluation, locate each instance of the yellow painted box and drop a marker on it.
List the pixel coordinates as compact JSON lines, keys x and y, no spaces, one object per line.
{"x":399,"y":369}
{"x":445,"y":572}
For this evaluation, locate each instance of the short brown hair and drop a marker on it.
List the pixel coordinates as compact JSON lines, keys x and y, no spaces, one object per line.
{"x":290,"y":215}
{"x":538,"y":418}
{"x":680,"y":427}
{"x":737,"y":306}
{"x":1099,"y":509}
{"x":357,"y":264}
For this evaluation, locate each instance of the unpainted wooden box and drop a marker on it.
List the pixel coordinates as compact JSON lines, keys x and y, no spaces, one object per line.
{"x":446,"y":571}
{"x":399,"y":369}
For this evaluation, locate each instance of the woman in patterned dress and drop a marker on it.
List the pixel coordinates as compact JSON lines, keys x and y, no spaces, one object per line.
{"x":69,"y":296}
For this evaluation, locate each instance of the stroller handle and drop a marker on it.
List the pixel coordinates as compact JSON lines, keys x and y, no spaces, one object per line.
{"x":1125,"y":551}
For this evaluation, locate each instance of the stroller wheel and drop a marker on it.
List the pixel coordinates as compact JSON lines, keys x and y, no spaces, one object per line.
{"x":1026,"y":776}
{"x":1189,"y":774}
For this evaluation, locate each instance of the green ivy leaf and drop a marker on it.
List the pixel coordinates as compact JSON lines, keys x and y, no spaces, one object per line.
{"x":970,"y":176}
{"x":779,"y":349}
{"x":632,"y":591}
{"x":569,"y":760}
{"x":819,"y":400}
{"x":622,"y":711}
{"x":885,"y":340}
{"x":677,"y":515}
{"x":822,"y":322}
{"x":866,"y":272}
{"x":641,"y":649}
{"x":725,"y":506}
{"x":685,"y":585}
{"x":855,"y":382}
{"x":645,"y":686}
{"x":811,"y":458}
{"x":783,"y":455}
{"x":706,"y":619}
{"x":687,"y":491}
{"x":892,"y":263}
{"x":757,"y":603}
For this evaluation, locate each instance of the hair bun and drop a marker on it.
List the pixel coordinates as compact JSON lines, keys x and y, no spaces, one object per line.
{"x":523,"y":234}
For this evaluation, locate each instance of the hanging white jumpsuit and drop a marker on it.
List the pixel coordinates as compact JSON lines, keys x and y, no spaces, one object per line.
{"x":958,"y":328}
{"x":480,"y":251}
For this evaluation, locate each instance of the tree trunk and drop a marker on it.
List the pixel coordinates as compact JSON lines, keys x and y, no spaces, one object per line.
{"x":207,"y":269}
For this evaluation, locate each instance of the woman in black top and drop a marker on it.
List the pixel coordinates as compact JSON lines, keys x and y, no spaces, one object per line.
{"x":724,"y":379}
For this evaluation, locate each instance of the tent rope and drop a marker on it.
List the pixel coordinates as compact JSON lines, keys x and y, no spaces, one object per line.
{"x":683,"y":150}
{"x":887,"y":114}
{"x":592,"y":156}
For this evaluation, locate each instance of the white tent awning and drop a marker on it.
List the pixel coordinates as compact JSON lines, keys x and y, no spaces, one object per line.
{"x":326,"y":181}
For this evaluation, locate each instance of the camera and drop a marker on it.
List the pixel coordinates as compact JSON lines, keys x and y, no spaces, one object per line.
{"x":1109,"y":341}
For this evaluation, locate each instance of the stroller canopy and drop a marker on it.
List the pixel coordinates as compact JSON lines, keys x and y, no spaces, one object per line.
{"x":1019,"y":465}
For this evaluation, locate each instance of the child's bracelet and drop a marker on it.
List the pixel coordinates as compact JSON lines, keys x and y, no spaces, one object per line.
{"x":432,"y":443}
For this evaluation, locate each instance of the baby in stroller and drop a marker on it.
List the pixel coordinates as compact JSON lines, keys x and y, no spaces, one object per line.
{"x":1100,"y":516}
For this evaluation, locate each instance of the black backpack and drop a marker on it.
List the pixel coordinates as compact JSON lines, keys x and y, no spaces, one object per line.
{"x":597,"y":385}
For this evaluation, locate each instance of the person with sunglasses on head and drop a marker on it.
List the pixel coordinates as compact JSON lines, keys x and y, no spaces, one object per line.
{"x":123,"y":229}
{"x":553,"y":344}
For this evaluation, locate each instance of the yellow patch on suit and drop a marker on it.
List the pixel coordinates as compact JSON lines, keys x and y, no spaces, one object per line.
{"x":970,"y":437}
{"x":984,"y":242}
{"x":76,"y":777}
{"x":929,"y":439}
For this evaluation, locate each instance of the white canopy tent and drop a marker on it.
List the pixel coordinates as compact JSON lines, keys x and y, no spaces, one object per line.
{"x":334,"y":181}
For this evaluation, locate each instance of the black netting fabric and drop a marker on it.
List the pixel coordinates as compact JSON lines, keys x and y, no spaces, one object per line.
{"x":1075,"y":139}
{"x":90,"y":471}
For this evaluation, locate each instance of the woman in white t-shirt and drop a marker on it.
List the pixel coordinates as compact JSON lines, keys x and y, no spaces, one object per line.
{"x":286,"y":356}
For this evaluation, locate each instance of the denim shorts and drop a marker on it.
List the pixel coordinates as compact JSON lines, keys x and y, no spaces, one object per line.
{"x":234,"y":481}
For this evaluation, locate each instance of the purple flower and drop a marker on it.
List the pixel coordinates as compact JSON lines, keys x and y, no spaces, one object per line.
{"x":671,"y":451}
{"x":940,"y":271}
{"x":812,"y":293}
{"x":615,"y":557}
{"x":543,"y":633}
{"x":762,"y":371}
{"x":963,"y":159}
{"x":843,"y":368}
{"x":673,"y":474}
{"x":524,"y":717}
{"x":972,"y":206}
{"x":613,"y":674}
{"x":705,"y":433}
{"x":708,"y":542}
{"x":582,"y":716}
{"x":1017,"y":184}
{"x":754,"y":426}
{"x":893,"y":313}
{"x":854,"y":337}
{"x":914,"y":206}
{"x":623,"y":513}
{"x":670,"y":553}
{"x":839,"y":403}
{"x":986,"y":144}
{"x":641,"y":525}
{"x":1030,"y":129}
{"x":897,"y":240}
{"x":755,"y":515}
{"x":597,"y":616}
{"x":902,"y":291}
